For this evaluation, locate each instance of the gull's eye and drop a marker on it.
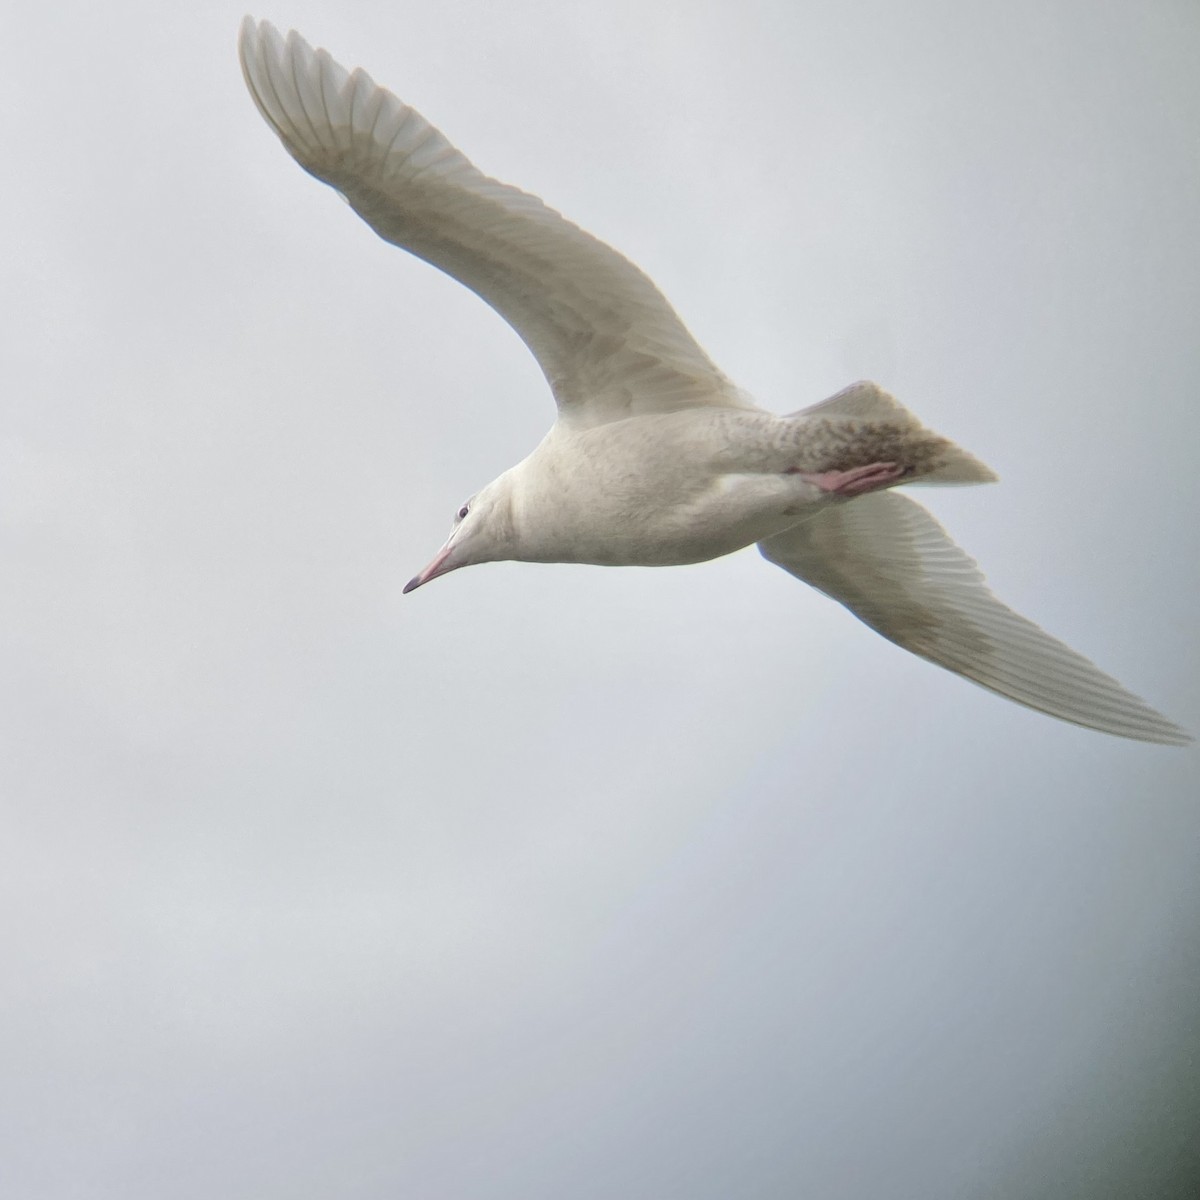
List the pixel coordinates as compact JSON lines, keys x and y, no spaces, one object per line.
{"x":462,"y":512}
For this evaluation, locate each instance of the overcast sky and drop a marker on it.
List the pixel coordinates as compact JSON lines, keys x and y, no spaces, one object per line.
{"x":559,"y":882}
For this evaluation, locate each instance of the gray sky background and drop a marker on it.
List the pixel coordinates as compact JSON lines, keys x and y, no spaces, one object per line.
{"x":565,"y":882}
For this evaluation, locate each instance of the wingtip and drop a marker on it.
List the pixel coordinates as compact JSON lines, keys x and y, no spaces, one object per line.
{"x":249,"y":32}
{"x":1163,"y":733}
{"x":246,"y":34}
{"x":1175,"y":735}
{"x":254,"y":38}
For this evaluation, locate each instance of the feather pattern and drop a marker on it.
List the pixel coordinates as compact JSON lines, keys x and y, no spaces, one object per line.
{"x":605,"y":337}
{"x":891,"y":564}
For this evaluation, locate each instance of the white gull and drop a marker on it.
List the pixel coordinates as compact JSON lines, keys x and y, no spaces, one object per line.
{"x":656,"y":458}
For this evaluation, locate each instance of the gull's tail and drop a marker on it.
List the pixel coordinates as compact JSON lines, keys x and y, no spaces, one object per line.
{"x":864,"y":423}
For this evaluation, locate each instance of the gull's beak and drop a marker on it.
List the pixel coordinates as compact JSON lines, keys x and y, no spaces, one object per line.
{"x":442,"y":563}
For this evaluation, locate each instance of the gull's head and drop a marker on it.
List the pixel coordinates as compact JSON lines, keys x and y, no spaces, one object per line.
{"x":482,"y":532}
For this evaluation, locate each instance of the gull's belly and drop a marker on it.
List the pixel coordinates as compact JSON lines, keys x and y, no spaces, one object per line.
{"x":659,"y":491}
{"x":631,"y":524}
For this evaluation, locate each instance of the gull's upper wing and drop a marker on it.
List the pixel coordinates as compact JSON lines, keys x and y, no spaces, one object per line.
{"x":605,"y":337}
{"x":888,"y":561}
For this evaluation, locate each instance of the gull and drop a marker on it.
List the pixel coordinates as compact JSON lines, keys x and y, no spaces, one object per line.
{"x":656,"y":458}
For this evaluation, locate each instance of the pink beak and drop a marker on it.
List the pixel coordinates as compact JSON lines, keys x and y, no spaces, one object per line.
{"x":441,"y":565}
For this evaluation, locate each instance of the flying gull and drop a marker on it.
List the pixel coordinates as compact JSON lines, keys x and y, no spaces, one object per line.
{"x":656,"y":458}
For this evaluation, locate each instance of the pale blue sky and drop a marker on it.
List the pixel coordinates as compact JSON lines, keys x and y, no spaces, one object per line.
{"x":568,"y":882}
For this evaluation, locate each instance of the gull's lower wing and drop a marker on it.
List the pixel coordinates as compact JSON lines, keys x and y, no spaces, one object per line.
{"x":605,"y":337}
{"x":888,"y":561}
